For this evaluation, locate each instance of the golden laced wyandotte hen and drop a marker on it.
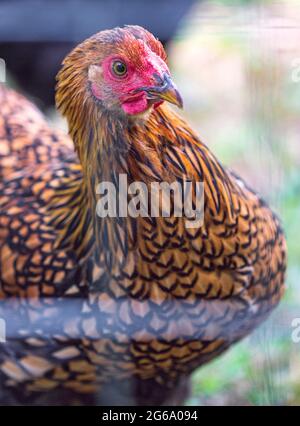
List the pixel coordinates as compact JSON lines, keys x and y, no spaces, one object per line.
{"x":116,"y":309}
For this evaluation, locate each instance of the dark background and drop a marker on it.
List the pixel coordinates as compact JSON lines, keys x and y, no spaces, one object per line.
{"x":35,"y":35}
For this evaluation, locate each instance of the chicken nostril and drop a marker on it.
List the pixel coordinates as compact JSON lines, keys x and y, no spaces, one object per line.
{"x":159,"y":85}
{"x":158,"y":79}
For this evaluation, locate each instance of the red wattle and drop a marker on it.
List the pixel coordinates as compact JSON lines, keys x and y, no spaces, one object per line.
{"x":135,"y":106}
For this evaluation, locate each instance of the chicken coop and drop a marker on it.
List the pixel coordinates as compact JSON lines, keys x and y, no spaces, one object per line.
{"x":194,"y":306}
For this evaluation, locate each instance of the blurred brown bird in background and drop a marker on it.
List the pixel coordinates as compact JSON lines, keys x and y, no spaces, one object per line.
{"x":121,"y":309}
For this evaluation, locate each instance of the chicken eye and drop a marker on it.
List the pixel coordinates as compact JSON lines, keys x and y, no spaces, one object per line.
{"x":119,"y":68}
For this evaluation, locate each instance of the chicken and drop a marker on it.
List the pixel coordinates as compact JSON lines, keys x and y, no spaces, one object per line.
{"x":121,"y":308}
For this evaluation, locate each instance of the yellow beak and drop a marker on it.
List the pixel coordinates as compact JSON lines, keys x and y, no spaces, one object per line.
{"x":167,"y":92}
{"x":173,"y":96}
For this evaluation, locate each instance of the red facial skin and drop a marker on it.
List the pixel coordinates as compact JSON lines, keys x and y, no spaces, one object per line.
{"x":122,"y":87}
